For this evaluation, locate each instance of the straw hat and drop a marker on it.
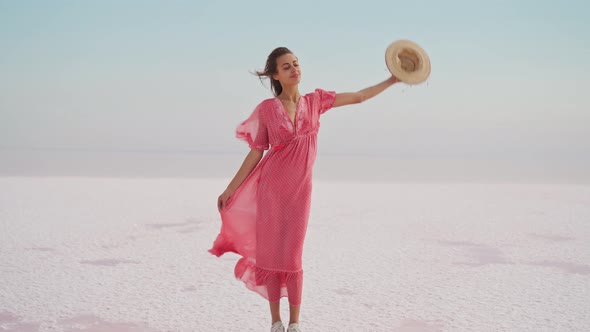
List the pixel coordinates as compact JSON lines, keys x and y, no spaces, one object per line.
{"x":407,"y":61}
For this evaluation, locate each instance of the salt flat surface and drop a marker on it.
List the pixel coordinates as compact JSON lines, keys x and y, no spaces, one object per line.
{"x":130,"y":255}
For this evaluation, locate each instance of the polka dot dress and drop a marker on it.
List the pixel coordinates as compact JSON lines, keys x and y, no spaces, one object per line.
{"x":265,"y":220}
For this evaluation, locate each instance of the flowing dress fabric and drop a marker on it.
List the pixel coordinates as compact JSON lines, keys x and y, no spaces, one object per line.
{"x":265,"y":220}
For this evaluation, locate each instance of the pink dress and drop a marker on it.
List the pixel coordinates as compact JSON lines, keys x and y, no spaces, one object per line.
{"x":265,"y":220}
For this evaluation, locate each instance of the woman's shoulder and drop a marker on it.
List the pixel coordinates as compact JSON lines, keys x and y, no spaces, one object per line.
{"x":316,"y":95}
{"x":266,"y":107}
{"x":317,"y":92}
{"x":269,"y":103}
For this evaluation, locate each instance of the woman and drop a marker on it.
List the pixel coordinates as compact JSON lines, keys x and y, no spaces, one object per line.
{"x":265,"y":208}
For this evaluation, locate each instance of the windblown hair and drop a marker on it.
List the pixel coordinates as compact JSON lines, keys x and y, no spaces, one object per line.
{"x":271,"y":68}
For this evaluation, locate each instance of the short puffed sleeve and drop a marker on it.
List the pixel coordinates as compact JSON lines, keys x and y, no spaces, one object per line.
{"x":253,"y":130}
{"x":324,"y":100}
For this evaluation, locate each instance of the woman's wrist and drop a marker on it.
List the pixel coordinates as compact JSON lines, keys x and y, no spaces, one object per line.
{"x":393,"y":80}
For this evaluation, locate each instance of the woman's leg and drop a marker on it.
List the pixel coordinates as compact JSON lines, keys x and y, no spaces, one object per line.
{"x":275,"y":311}
{"x":294,"y":314}
{"x":273,"y":286}
{"x":294,"y":289}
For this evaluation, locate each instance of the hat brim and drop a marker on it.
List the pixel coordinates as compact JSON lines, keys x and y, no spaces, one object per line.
{"x":420,"y":74}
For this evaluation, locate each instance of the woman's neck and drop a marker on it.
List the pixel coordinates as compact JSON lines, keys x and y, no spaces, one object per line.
{"x":290,"y":93}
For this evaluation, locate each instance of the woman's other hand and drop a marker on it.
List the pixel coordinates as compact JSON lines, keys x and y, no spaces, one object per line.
{"x":223,"y":198}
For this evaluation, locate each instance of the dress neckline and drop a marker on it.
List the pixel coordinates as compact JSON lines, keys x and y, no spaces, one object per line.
{"x":294,"y":121}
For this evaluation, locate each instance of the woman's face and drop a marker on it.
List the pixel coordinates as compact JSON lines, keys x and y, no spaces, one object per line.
{"x":288,"y":70}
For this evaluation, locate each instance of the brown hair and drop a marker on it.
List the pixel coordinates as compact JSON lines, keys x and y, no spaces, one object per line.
{"x":271,"y":68}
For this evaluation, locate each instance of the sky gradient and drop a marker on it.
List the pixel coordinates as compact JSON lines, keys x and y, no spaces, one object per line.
{"x":508,"y":80}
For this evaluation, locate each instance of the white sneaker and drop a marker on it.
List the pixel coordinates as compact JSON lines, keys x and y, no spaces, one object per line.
{"x":277,"y":327}
{"x":293,"y":328}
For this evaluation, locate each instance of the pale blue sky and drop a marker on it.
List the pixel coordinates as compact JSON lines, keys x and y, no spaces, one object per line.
{"x":509,"y":78}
